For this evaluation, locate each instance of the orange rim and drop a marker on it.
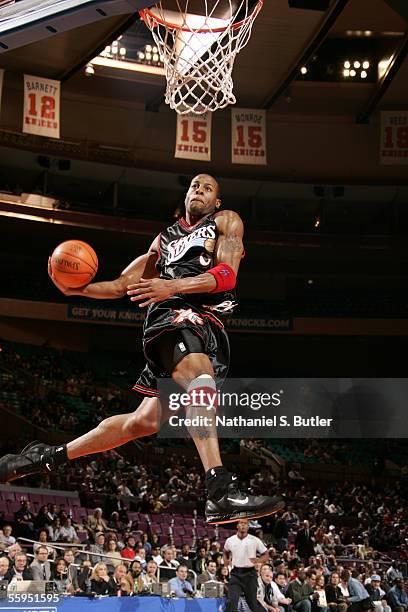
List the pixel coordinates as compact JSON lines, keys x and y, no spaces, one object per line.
{"x":152,"y":21}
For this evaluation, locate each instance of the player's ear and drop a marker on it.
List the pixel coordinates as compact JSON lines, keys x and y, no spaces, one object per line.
{"x":217,"y":203}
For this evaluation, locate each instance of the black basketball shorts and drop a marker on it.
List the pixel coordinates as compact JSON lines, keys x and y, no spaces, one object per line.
{"x":173,"y":329}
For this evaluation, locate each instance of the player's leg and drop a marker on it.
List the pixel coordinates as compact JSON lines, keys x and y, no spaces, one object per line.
{"x":193,"y":371}
{"x":110,"y":433}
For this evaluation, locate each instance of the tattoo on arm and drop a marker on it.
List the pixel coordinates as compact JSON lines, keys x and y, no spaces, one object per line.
{"x":232,"y":243}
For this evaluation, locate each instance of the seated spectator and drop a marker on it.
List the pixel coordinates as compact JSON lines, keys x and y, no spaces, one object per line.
{"x":302,"y":591}
{"x":19,"y":570}
{"x":98,"y":549}
{"x":129,"y":551}
{"x":42,"y":541}
{"x":168,"y":565}
{"x":12,"y":551}
{"x":200,"y":560}
{"x":72,"y":569}
{"x":55,"y":529}
{"x":118,"y":581}
{"x":209,"y":574}
{"x":61,"y":580}
{"x":68,"y":532}
{"x":185,"y":556}
{"x":265,"y":593}
{"x":41,"y":567}
{"x":218,"y":558}
{"x":6,"y":539}
{"x":115,"y":523}
{"x":223,"y":576}
{"x":146,"y":544}
{"x":397,"y":597}
{"x":393,"y":572}
{"x":179,"y":585}
{"x":334,"y":596}
{"x":43,"y":520}
{"x":278,"y":588}
{"x":24,"y":520}
{"x":84,"y":576}
{"x":322,"y":601}
{"x":96,"y":522}
{"x":156,"y":556}
{"x":100,"y":584}
{"x":4,"y":567}
{"x":134,"y":577}
{"x":111,"y":550}
{"x":358,"y":592}
{"x":377,"y":594}
{"x":150,"y":577}
{"x":343,"y":586}
{"x":141,"y":556}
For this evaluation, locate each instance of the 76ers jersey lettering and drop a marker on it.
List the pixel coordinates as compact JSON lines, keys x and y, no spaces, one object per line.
{"x":199,"y":237}
{"x":189,"y":251}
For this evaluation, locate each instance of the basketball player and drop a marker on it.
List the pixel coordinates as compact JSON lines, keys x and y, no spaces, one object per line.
{"x":187,"y":275}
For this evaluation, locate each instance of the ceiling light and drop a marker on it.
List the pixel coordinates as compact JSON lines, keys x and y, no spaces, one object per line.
{"x":141,"y":55}
{"x":383,"y":67}
{"x":346,"y":72}
{"x":89,"y":70}
{"x":122,"y":51}
{"x":347,"y":64}
{"x":357,"y":64}
{"x":352,"y":73}
{"x":148,"y":56}
{"x":366,"y":65}
{"x":149,"y":48}
{"x":155,"y":57}
{"x":363,"y":74}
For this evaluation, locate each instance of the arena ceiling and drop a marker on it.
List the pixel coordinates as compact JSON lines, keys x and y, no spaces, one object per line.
{"x":265,"y":73}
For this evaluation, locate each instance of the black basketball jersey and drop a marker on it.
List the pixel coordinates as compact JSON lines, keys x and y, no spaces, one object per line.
{"x":189,"y":250}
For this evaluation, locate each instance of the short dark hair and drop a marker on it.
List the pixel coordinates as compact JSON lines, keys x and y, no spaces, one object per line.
{"x":182,"y":565}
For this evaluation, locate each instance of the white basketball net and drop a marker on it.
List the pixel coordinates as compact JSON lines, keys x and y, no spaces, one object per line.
{"x":198,"y":52}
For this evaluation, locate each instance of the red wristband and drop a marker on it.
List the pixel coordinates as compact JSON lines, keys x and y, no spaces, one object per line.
{"x":225,"y":277}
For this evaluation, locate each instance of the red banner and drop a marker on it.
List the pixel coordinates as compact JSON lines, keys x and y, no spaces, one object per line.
{"x":193,"y":139}
{"x":41,"y":106}
{"x":394,"y":138}
{"x":248,"y":136}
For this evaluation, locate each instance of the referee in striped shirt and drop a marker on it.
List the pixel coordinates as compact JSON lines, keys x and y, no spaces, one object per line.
{"x":241,"y":552}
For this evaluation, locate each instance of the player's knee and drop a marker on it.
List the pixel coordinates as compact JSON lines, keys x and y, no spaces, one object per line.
{"x":190,"y":368}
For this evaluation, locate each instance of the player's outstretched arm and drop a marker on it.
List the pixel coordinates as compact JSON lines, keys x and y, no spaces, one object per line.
{"x":228,"y":254}
{"x":144,"y":265}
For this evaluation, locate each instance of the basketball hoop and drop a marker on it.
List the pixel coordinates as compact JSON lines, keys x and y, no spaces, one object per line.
{"x":198,"y":51}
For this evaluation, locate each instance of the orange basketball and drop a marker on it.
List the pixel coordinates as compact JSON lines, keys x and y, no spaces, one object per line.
{"x":74,"y":263}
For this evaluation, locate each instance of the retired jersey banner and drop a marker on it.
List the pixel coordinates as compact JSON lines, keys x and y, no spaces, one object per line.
{"x":248,"y":136}
{"x":41,"y":106}
{"x":394,"y":137}
{"x":193,"y":139}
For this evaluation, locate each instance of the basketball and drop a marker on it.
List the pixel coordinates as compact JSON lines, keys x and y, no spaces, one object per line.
{"x":74,"y":263}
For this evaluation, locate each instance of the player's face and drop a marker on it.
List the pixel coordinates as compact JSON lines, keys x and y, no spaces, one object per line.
{"x":202,"y":196}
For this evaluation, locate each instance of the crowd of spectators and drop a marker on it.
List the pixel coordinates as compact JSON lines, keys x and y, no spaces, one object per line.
{"x":43,"y":385}
{"x":312,"y":574}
